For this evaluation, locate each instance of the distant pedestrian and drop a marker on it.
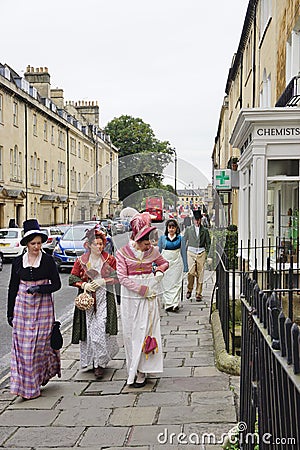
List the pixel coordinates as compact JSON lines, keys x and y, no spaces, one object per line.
{"x":198,"y":244}
{"x":30,"y":311}
{"x":12,"y":223}
{"x":187,"y":222}
{"x":173,"y":249}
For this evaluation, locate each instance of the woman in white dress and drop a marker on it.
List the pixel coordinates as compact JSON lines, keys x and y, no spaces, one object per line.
{"x":173,"y":249}
{"x":96,"y":328}
{"x":140,"y":268}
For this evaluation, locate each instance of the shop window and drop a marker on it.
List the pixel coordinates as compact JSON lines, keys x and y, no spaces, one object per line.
{"x":288,"y":167}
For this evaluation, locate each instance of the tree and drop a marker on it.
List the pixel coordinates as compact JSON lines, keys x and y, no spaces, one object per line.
{"x":142,"y":157}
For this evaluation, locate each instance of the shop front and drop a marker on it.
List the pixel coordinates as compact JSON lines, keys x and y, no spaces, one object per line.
{"x":269,"y":143}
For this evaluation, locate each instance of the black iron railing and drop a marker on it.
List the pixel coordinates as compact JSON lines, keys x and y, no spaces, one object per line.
{"x":270,"y":380}
{"x":291,"y":94}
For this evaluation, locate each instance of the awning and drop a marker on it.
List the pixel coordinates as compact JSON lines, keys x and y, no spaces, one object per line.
{"x":49,"y":198}
{"x":62,"y":198}
{"x":14,"y":193}
{"x":3,"y":191}
{"x":98,"y":201}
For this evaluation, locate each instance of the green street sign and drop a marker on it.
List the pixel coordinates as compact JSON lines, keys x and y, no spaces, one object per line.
{"x":222,"y":179}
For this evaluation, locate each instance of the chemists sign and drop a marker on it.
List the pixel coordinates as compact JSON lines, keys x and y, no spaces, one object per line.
{"x":222,"y":179}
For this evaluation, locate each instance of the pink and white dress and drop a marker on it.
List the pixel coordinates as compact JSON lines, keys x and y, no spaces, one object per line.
{"x":140,"y":314}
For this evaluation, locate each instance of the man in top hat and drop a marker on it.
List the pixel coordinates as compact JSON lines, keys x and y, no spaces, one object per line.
{"x":198,"y":243}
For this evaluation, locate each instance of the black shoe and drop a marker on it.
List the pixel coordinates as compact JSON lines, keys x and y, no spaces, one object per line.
{"x":139,"y":385}
{"x":98,"y":371}
{"x":188,"y":295}
{"x":176,"y":309}
{"x":170,"y":309}
{"x":198,"y":298}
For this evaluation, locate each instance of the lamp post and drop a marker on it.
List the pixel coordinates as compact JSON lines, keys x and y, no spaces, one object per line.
{"x":110,"y":177}
{"x":175,"y":178}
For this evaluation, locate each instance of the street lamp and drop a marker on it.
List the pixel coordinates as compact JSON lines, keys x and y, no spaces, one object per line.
{"x":175,"y":178}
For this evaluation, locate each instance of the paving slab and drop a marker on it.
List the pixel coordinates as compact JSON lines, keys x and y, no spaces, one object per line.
{"x":105,"y":436}
{"x":133,"y":416}
{"x":192,"y":384}
{"x":163,"y":399}
{"x":101,"y":401}
{"x":45,"y":437}
{"x":151,"y":435}
{"x":5,"y":433}
{"x":86,"y":417}
{"x":102,"y":387}
{"x":188,"y":414}
{"x":30,"y":418}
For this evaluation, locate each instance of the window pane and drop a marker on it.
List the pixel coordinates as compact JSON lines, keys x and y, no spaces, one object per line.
{"x":288,"y":167}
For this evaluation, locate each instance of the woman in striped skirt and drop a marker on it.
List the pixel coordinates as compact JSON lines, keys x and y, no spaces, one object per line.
{"x":30,"y":312}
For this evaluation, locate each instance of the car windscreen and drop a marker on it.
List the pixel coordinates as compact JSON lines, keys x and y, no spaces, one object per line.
{"x":74,"y":234}
{"x":8,"y":234}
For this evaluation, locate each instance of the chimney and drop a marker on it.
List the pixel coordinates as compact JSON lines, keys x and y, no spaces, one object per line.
{"x":89,"y":110}
{"x":40,"y":79}
{"x":57,"y":96}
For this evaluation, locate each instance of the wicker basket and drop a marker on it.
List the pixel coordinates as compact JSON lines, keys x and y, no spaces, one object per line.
{"x":84,"y":301}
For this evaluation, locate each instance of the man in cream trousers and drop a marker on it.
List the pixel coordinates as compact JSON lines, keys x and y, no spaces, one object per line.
{"x":198,"y":243}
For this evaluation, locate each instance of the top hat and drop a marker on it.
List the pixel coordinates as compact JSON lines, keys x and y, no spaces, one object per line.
{"x":197,"y":214}
{"x":32,"y":229}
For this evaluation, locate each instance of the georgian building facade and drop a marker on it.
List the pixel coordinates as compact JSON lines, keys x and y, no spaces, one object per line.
{"x":56,"y":164}
{"x":259,"y":124}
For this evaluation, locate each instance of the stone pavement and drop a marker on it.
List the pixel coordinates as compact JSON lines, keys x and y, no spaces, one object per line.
{"x":191,"y":399}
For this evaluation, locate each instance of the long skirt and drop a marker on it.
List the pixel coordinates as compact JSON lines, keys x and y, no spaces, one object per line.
{"x":140,"y":318}
{"x":33,"y":361}
{"x":99,"y":347}
{"x":172,"y":280}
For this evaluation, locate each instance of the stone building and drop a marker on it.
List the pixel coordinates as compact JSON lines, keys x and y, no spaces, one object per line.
{"x":259,"y":124}
{"x":56,"y":164}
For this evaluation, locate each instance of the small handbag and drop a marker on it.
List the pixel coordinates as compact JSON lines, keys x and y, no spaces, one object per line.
{"x":56,"y":339}
{"x":150,"y":345}
{"x":84,"y":301}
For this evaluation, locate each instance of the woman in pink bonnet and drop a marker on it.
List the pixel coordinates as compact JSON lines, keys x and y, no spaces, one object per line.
{"x":140,"y":268}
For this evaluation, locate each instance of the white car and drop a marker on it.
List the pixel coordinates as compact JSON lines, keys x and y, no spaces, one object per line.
{"x":53,"y":232}
{"x":10,"y":242}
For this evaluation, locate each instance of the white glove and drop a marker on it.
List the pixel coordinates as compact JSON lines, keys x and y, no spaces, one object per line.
{"x":88,"y":287}
{"x":151,"y":294}
{"x":97,"y":283}
{"x":159,"y":276}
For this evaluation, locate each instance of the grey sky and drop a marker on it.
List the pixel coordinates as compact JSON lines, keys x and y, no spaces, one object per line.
{"x":165,"y":61}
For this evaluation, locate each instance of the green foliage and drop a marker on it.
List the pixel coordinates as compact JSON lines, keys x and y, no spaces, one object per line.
{"x":227,"y":240}
{"x":231,"y":247}
{"x":142,"y":157}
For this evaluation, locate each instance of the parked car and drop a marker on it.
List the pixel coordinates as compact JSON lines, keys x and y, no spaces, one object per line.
{"x":71,"y":244}
{"x":125,"y":223}
{"x":63,"y":227}
{"x":53,"y":233}
{"x":10,"y":242}
{"x":120,"y":228}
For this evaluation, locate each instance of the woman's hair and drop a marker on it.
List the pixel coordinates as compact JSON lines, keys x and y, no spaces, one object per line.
{"x":172,"y":222}
{"x":146,"y":237}
{"x":93,"y":234}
